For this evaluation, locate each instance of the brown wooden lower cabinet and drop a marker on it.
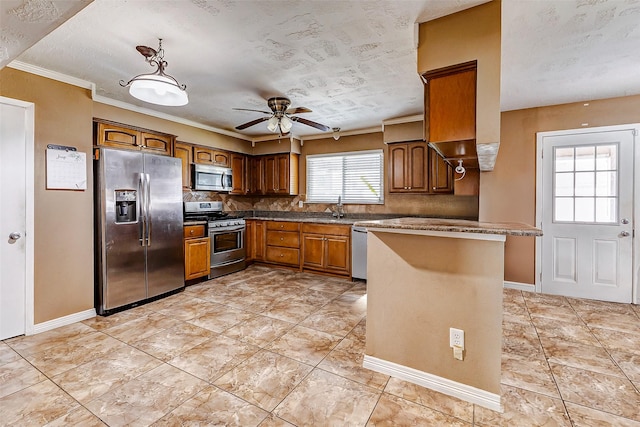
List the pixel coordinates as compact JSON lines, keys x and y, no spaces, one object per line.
{"x":283,"y":243}
{"x":327,"y":248}
{"x":255,"y":240}
{"x":197,"y":252}
{"x":321,"y":248}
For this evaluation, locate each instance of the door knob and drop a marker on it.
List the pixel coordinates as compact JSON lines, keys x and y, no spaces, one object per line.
{"x":625,"y":234}
{"x":14,"y":236}
{"x":624,"y":221}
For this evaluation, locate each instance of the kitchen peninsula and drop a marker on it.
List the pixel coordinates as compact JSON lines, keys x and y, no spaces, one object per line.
{"x":426,"y":276}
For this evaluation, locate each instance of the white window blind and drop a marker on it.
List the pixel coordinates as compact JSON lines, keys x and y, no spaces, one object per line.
{"x":355,"y":176}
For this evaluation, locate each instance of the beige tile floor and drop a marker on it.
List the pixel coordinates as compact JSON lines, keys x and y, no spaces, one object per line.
{"x":275,"y":347}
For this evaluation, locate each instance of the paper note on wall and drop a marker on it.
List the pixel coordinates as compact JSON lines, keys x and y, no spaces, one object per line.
{"x":66,"y":170}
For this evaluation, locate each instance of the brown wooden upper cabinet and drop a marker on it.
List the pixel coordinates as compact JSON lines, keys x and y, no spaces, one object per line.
{"x":117,"y":135}
{"x":416,"y":168}
{"x":256,"y":175}
{"x":440,"y":174}
{"x":408,"y":171}
{"x":185,"y":153}
{"x":450,"y":103}
{"x":281,"y":174}
{"x":211,"y":156}
{"x":240,"y":178}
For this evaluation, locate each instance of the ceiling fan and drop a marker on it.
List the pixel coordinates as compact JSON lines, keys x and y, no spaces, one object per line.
{"x":280,"y":118}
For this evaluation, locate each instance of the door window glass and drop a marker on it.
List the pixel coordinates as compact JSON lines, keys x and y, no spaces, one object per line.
{"x":585,"y":186}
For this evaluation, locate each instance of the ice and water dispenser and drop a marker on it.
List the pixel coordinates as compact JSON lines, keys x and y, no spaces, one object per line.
{"x":126,"y":209}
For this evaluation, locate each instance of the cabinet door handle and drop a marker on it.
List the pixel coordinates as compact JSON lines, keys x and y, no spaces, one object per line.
{"x":282,"y":238}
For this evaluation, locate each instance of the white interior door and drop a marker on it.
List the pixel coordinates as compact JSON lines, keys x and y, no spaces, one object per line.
{"x":14,"y":135}
{"x":587,"y":215}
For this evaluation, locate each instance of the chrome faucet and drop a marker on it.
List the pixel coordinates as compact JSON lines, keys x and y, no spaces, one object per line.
{"x":339,"y":209}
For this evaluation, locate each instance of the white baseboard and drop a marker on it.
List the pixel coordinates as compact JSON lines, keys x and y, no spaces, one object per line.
{"x":62,"y":321}
{"x":520,"y":286}
{"x":443,"y":385}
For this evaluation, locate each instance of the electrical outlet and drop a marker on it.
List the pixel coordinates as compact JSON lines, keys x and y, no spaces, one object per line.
{"x":456,"y":338}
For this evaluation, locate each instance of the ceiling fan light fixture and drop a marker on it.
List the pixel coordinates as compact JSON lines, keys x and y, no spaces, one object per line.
{"x":272,"y":124}
{"x":285,"y":124}
{"x":158,"y":87}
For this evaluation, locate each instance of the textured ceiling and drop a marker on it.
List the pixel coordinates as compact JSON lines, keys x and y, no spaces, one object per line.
{"x":24,"y":22}
{"x":352,"y":62}
{"x":559,"y":51}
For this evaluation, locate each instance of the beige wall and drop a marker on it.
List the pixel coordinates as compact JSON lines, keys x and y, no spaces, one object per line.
{"x":419,"y":287}
{"x":63,"y":241}
{"x":472,"y":34}
{"x":509,"y":191}
{"x":184,"y":133}
{"x":401,"y":132}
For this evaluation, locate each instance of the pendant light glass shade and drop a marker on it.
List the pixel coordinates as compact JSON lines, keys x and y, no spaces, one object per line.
{"x":158,"y":90}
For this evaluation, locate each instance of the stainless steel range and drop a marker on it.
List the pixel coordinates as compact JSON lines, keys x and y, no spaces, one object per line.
{"x":226,"y":233}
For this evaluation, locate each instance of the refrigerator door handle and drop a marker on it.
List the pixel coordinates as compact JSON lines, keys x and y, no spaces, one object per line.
{"x":148,"y":209}
{"x":141,"y":210}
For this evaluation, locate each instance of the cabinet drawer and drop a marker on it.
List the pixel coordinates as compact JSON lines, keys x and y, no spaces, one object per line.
{"x":193,"y":231}
{"x":335,"y":230}
{"x":283,"y":225}
{"x":283,"y":255}
{"x":289,"y":239}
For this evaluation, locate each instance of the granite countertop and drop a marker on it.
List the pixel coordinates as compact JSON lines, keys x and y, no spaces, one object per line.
{"x":453,"y":225}
{"x":308,"y":219}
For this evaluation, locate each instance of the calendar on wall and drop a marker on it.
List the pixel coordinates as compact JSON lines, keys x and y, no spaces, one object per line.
{"x":66,"y":168}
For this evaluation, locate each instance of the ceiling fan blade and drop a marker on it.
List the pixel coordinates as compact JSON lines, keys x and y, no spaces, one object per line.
{"x":310,"y":123}
{"x":298,"y":110}
{"x":257,"y":111}
{"x":252,"y":122}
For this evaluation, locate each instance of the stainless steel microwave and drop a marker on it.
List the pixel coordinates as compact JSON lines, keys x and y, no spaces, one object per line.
{"x":211,"y":178}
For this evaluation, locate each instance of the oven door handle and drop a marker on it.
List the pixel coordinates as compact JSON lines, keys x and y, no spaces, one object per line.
{"x":213,"y":231}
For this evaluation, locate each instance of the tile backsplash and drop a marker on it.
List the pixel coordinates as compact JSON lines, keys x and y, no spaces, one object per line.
{"x":446,"y":206}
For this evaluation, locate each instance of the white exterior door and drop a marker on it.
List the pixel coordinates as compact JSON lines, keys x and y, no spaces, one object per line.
{"x":587,"y":214}
{"x":16,"y":129}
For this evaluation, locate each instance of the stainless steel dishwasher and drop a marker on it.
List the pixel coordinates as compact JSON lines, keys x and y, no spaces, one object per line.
{"x":358,"y":252}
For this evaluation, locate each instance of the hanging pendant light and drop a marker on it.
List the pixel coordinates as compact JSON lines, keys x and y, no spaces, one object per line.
{"x":157,"y":87}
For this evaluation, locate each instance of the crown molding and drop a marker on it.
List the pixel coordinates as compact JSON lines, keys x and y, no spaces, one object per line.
{"x":64,"y":78}
{"x":400,"y":120}
{"x":364,"y":131}
{"x":54,"y":75}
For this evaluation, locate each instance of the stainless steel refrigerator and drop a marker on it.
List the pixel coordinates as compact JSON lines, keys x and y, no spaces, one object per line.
{"x":139,"y":227}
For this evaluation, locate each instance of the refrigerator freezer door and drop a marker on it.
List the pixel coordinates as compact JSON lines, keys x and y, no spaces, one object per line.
{"x":121,"y":256}
{"x":165,"y":261}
